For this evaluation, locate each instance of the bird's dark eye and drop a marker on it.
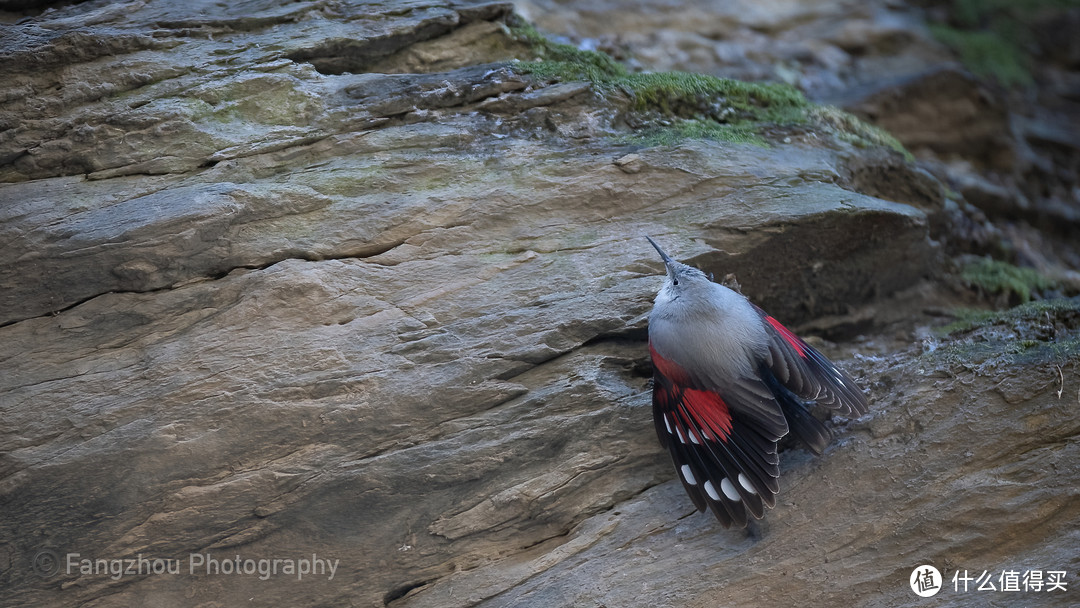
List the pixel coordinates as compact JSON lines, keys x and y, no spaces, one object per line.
{"x":674,"y":281}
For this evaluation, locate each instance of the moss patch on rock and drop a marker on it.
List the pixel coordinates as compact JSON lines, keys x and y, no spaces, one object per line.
{"x":667,"y":107}
{"x":1043,"y":332}
{"x":850,"y":128}
{"x":997,"y":277}
{"x":968,"y":320}
{"x":556,"y":61}
{"x":669,"y":134}
{"x":670,"y":105}
{"x":994,"y":38}
{"x":987,"y":54}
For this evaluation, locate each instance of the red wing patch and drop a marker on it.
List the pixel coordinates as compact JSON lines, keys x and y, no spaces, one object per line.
{"x":700,"y":409}
{"x":725,"y":464}
{"x":666,"y":368}
{"x":791,"y":338}
{"x":709,"y":412}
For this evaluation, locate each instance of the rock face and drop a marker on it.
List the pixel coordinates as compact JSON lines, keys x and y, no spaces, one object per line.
{"x":335,"y":281}
{"x":1009,"y":155}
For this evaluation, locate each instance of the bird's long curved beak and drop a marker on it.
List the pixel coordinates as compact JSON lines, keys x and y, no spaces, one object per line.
{"x":667,"y":260}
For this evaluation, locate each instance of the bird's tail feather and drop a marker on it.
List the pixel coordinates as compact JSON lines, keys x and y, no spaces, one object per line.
{"x":807,"y":428}
{"x":801,"y":422}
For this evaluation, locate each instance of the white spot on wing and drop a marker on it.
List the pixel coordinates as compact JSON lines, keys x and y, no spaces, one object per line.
{"x":745,"y":483}
{"x":729,"y":489}
{"x":693,"y":436}
{"x":688,"y":475}
{"x":668,"y":425}
{"x":711,"y":490}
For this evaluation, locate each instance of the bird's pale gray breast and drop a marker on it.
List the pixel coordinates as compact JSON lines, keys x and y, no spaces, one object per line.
{"x":714,"y":337}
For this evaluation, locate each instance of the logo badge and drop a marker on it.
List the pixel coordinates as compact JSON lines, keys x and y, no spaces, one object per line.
{"x":925,"y":581}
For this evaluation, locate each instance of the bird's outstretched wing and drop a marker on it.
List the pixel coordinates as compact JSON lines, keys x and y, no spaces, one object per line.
{"x":808,"y":374}
{"x":724,"y":454}
{"x":723,"y":439}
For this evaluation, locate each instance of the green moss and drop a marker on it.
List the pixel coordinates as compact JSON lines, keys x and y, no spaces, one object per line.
{"x":555,"y":61}
{"x":673,"y":106}
{"x":700,"y":106}
{"x":681,"y":93}
{"x":988,"y":356}
{"x":697,"y":105}
{"x":966,"y":320}
{"x":1046,"y":331}
{"x":993,"y":37}
{"x":1031,"y":313}
{"x":987,"y":54}
{"x":850,"y":128}
{"x":1059,"y":351}
{"x":993,"y":276}
{"x":699,"y":129}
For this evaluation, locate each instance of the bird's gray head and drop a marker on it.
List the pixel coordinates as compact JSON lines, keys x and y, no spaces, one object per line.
{"x":682,"y":280}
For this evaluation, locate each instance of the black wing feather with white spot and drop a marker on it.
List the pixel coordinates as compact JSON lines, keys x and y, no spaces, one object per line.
{"x":727,"y":462}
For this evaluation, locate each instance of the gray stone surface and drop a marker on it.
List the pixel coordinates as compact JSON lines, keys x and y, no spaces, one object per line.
{"x":290,"y":279}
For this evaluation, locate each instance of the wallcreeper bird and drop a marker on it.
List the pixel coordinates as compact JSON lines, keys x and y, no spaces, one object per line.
{"x":728,"y":382}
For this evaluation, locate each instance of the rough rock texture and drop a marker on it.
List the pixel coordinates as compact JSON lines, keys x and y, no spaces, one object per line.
{"x":335,"y":278}
{"x":824,"y":46}
{"x":1010,"y":156}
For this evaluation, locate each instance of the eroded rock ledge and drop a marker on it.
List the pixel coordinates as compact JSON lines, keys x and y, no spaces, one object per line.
{"x":337,"y":278}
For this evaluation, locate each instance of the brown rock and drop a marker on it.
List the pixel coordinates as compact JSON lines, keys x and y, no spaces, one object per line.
{"x":395,"y":321}
{"x":944,"y":110}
